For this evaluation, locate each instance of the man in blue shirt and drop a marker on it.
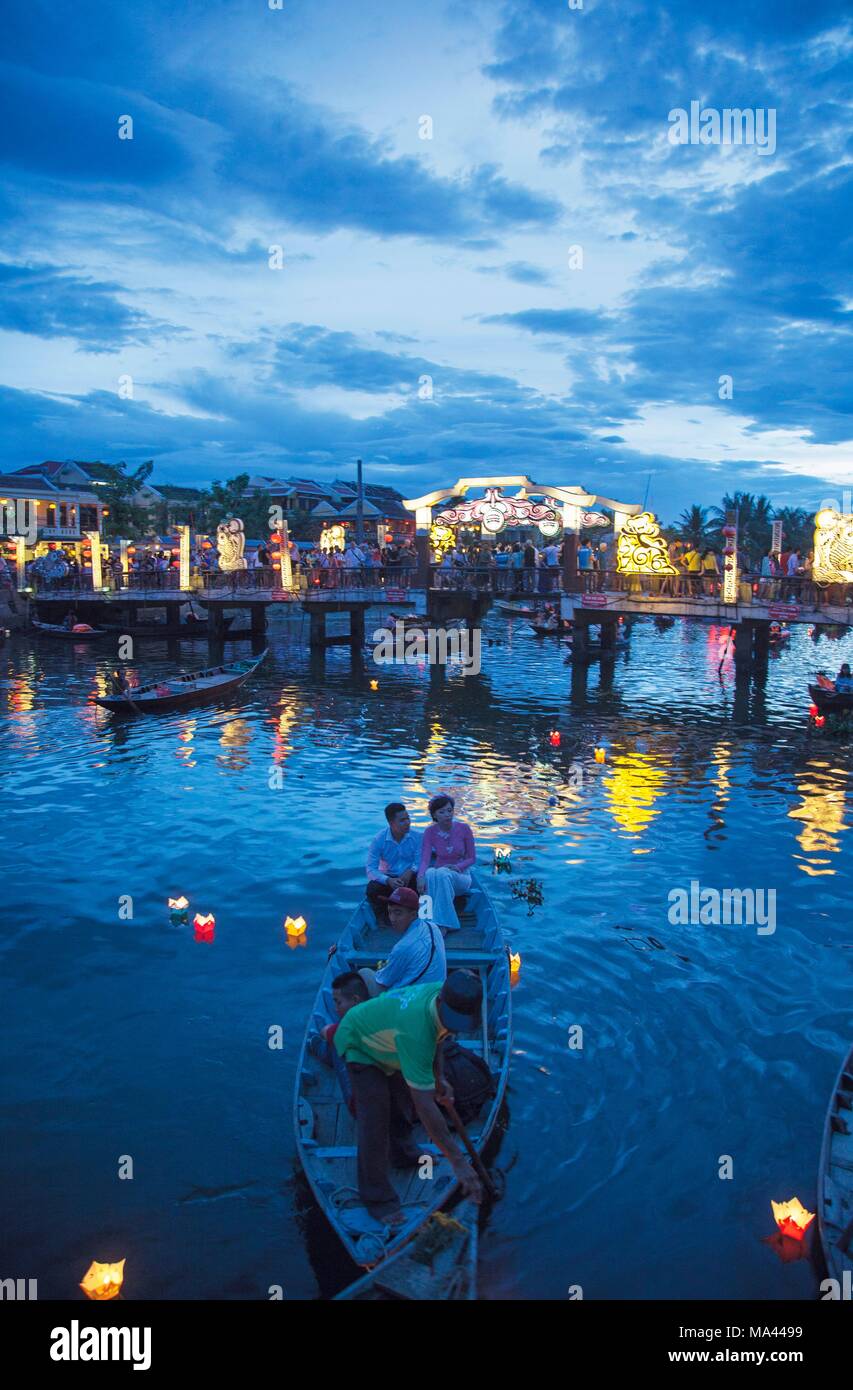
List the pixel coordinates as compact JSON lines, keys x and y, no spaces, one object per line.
{"x":392,"y":859}
{"x":418,"y":958}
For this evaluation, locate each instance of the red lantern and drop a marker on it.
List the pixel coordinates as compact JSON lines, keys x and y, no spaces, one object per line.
{"x":812,"y":710}
{"x":204,"y":926}
{"x":792,"y":1218}
{"x":820,"y":720}
{"x":554,"y":738}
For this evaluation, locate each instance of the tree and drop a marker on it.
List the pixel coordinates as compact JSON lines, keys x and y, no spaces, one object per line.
{"x":118,"y":488}
{"x":797,"y":528}
{"x":232,"y":498}
{"x":694,"y":526}
{"x":755,"y":520}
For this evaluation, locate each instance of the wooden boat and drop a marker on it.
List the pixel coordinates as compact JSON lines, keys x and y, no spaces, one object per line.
{"x":829,"y":700}
{"x":67,"y":634}
{"x":520,"y":610}
{"x":176,"y":692}
{"x":835,"y":1179}
{"x":325,"y":1130}
{"x":561,"y":629}
{"x":440,"y":1264}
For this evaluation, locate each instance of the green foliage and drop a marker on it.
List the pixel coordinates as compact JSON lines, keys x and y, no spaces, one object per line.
{"x":529,"y":890}
{"x":694,"y":526}
{"x":231,"y":498}
{"x":117,"y":489}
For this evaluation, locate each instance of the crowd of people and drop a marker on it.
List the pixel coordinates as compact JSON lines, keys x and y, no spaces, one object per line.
{"x":386,"y":1046}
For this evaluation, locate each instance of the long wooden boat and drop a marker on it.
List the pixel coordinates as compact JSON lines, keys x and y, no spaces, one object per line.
{"x":440,"y":1264}
{"x":835,"y":1180}
{"x":66,"y":634}
{"x":561,"y":629}
{"x":325,"y":1130}
{"x":831,"y":701}
{"x":520,"y":610}
{"x":176,"y":692}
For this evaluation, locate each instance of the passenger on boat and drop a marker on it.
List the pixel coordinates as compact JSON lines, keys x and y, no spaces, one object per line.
{"x":69,"y":622}
{"x":844,"y":681}
{"x":348,"y":990}
{"x":393,"y":858}
{"x":418,"y":957}
{"x":447,"y":854}
{"x":389,"y":1045}
{"x":119,"y":683}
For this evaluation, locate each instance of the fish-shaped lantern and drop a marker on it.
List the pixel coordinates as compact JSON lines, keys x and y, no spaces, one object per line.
{"x":178,"y":913}
{"x":792,"y":1218}
{"x":103,"y":1281}
{"x":204,"y":924}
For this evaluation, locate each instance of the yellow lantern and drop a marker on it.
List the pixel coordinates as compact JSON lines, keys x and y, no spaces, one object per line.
{"x":295,"y":927}
{"x":374,"y":685}
{"x":103,"y":1281}
{"x":600,"y":755}
{"x":514,"y":968}
{"x":792,"y":1218}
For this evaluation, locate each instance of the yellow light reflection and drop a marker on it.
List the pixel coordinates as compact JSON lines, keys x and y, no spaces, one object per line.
{"x":632,"y":787}
{"x":822,"y":788}
{"x":235,"y":736}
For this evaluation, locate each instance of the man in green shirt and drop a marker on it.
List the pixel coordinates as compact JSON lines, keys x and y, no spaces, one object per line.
{"x":389,"y":1045}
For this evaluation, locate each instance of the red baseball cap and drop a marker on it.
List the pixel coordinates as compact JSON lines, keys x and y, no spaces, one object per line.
{"x":405,"y":897}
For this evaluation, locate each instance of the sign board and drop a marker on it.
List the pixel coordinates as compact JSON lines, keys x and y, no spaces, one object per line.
{"x":776,"y":538}
{"x":594,"y":601}
{"x":395,"y":595}
{"x":784,"y":610}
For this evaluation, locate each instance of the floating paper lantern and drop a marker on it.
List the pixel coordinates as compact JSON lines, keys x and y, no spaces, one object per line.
{"x":295,"y":927}
{"x":514,"y":968}
{"x":812,"y":710}
{"x":103,"y":1281}
{"x":503,"y":854}
{"x":554,"y":738}
{"x":792,"y":1218}
{"x":600,"y":754}
{"x":205,"y":926}
{"x":178,"y":913}
{"x":374,"y":685}
{"x":820,"y":720}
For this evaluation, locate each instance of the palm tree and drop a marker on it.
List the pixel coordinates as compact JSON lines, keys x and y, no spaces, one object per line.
{"x":755,"y":520}
{"x":797,"y":528}
{"x":693,"y":525}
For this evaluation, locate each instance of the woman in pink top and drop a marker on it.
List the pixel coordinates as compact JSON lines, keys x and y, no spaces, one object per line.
{"x":447,"y":855}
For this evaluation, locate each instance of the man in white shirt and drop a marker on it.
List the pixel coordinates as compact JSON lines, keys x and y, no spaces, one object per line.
{"x":393,"y":858}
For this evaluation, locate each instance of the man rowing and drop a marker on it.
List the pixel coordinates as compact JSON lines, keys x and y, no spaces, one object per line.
{"x":389,"y":1045}
{"x":393,"y":857}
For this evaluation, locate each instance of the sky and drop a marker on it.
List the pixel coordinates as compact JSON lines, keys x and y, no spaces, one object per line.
{"x":452,"y":240}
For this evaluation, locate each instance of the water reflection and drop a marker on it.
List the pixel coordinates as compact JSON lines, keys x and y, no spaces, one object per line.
{"x":823,"y":788}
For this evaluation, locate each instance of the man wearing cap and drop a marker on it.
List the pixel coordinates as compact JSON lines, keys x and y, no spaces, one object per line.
{"x":418,"y":958}
{"x":389,"y":1045}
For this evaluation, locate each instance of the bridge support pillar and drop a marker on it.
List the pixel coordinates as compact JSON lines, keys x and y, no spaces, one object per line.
{"x":744,"y":636}
{"x":259,"y":619}
{"x":317,"y":637}
{"x":609,"y":627}
{"x":356,"y":628}
{"x":761,"y":644}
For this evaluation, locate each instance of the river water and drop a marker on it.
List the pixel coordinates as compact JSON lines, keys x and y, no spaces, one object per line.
{"x":705,"y":1048}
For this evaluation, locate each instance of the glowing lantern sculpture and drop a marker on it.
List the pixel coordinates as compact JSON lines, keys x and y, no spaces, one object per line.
{"x":441,"y":539}
{"x":514,"y":968}
{"x":792,"y":1218}
{"x":178,"y":911}
{"x":642,"y":548}
{"x":833,"y":547}
{"x":730,"y":568}
{"x":333,"y":538}
{"x":204,"y":925}
{"x":103,"y":1281}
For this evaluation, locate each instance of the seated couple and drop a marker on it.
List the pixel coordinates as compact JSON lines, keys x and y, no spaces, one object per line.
{"x":437,"y":862}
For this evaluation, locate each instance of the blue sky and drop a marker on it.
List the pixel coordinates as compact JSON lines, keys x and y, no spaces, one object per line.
{"x":447,"y":258}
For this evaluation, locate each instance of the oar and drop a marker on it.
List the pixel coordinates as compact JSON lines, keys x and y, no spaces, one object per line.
{"x":725,"y":651}
{"x":479,"y":1166}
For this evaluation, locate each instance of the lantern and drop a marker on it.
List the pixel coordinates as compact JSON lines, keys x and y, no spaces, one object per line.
{"x":374,"y":685}
{"x":204,"y":924}
{"x":820,"y":720}
{"x":503,"y":855}
{"x":103,"y":1281}
{"x":295,"y":927}
{"x":812,"y":711}
{"x":600,"y":754}
{"x":178,"y":911}
{"x":514,"y":968}
{"x":554,"y":738}
{"x":792,"y":1218}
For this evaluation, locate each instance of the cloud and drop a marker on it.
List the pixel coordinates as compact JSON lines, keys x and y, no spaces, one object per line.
{"x":570,"y":323}
{"x":51,"y":303}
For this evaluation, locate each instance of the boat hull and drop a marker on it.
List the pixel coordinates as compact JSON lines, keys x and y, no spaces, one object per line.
{"x":143,"y":702}
{"x":830,"y":701}
{"x":64,"y":634}
{"x":835,"y":1179}
{"x":325,"y":1130}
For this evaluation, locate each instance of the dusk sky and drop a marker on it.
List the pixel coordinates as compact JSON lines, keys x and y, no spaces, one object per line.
{"x":447,"y":258}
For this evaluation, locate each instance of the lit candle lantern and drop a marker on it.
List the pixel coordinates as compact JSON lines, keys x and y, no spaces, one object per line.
{"x":514,"y":968}
{"x":295,"y":927}
{"x":600,"y":754}
{"x":374,"y":685}
{"x":103,"y":1281}
{"x":178,"y":913}
{"x":554,"y":738}
{"x":812,"y":710}
{"x":792,"y":1218}
{"x":503,"y":855}
{"x":820,"y":720}
{"x":205,"y":926}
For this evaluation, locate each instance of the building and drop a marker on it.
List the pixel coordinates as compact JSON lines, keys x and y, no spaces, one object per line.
{"x":382,"y":509}
{"x":56,"y":504}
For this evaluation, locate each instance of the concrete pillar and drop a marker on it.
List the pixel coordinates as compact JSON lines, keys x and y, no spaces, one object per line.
{"x":259,"y":619}
{"x":608,"y":633}
{"x":761,"y":645}
{"x":173,"y":617}
{"x":743,"y":645}
{"x":215,"y":625}
{"x":571,"y":577}
{"x":580,"y":636}
{"x":422,"y":574}
{"x":356,"y":628}
{"x":317,"y":637}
